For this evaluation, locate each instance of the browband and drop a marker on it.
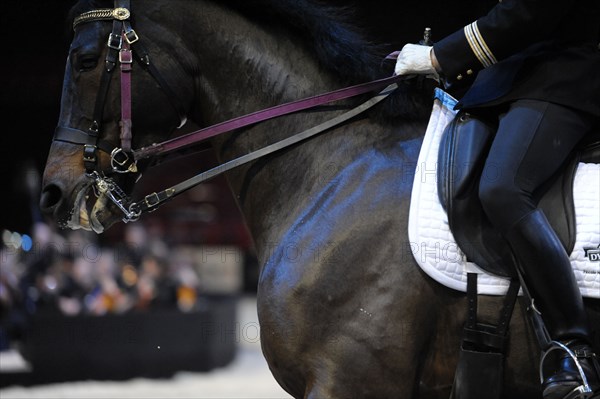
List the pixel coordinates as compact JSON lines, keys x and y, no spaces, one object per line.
{"x":103,"y":14}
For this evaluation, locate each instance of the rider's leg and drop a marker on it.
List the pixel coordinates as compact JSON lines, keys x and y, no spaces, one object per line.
{"x":534,"y":139}
{"x":547,"y":272}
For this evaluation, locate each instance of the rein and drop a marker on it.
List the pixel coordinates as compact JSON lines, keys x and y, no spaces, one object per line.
{"x":155,"y":199}
{"x":123,"y":159}
{"x":261,"y":116}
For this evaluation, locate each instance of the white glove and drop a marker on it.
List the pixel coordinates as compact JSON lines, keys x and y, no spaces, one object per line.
{"x":415,"y":59}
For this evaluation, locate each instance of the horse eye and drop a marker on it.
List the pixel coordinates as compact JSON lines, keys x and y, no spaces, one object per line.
{"x":86,"y":62}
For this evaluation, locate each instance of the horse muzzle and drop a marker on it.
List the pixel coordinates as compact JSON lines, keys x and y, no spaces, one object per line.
{"x":94,"y":205}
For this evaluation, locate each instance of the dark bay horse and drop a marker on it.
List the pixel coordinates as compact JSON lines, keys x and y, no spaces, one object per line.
{"x":344,"y":310}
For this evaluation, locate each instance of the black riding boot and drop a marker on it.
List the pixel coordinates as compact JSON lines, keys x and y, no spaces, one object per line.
{"x":546,"y":269}
{"x":566,"y":381}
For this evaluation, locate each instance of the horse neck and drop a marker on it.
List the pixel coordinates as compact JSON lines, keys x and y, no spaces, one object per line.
{"x":245,"y":68}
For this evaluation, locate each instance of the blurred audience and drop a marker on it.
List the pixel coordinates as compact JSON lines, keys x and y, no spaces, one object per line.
{"x":72,"y":274}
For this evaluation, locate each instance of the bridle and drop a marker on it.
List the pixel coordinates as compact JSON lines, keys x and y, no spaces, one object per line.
{"x":124,"y":46}
{"x":120,"y":44}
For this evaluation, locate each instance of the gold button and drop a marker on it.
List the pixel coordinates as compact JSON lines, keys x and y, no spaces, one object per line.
{"x":469,"y":72}
{"x":459,"y":77}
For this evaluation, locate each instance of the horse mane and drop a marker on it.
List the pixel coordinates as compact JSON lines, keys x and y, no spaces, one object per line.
{"x":340,"y":46}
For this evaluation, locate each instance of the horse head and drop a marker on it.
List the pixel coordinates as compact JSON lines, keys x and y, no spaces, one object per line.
{"x":90,"y":171}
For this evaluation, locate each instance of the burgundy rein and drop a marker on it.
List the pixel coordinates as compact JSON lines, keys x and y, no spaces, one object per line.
{"x":198,"y":136}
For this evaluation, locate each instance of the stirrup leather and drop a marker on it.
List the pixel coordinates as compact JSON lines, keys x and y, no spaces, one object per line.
{"x":583,"y":391}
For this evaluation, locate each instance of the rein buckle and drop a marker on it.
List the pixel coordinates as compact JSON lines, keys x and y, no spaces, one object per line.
{"x":152,"y":200}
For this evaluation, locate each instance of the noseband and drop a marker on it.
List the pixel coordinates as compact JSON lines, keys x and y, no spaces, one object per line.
{"x":124,"y":46}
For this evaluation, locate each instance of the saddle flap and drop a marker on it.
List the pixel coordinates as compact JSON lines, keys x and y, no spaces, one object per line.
{"x":463,"y":148}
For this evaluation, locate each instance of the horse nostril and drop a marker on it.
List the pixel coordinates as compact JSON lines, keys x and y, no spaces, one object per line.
{"x":51,"y":196}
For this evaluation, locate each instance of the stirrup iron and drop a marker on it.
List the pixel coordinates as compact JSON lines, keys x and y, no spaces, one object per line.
{"x":583,"y":391}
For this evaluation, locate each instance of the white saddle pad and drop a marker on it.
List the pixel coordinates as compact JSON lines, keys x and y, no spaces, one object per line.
{"x":434,"y":247}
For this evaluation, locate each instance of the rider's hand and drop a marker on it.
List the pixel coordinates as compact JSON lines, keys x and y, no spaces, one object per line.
{"x":416,"y":59}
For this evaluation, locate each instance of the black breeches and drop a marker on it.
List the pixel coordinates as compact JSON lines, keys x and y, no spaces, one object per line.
{"x":533,"y":141}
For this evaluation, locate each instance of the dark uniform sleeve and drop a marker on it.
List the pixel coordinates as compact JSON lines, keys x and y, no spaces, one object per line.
{"x":509,"y":27}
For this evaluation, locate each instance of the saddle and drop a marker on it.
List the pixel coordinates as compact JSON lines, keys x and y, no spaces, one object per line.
{"x":463,"y":149}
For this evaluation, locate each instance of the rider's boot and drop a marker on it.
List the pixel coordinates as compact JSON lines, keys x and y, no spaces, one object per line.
{"x":547,"y":272}
{"x":565,"y":381}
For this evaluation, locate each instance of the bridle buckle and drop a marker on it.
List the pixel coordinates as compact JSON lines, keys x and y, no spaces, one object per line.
{"x":125,"y":57}
{"x":89,"y":153}
{"x":114,"y":41}
{"x":131,"y":36}
{"x":120,"y":162}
